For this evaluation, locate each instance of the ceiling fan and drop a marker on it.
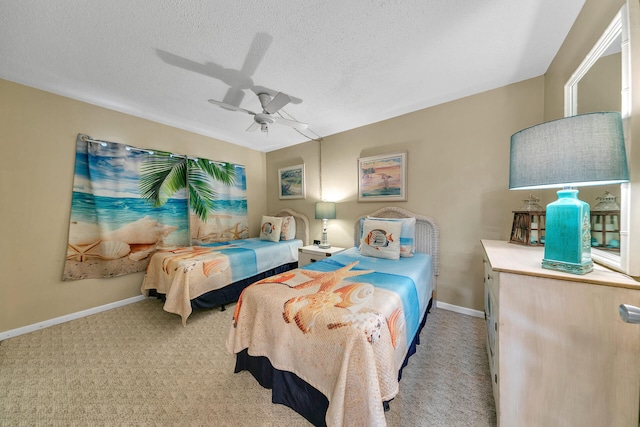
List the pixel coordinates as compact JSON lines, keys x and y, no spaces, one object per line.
{"x":269,"y":114}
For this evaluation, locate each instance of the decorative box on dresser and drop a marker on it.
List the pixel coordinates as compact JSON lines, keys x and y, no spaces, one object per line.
{"x":559,"y":353}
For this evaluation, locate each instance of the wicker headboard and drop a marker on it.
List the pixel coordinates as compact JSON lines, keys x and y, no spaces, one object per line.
{"x":302,"y":224}
{"x":427,"y":239}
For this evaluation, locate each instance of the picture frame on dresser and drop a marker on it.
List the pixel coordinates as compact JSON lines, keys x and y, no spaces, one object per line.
{"x":291,"y":182}
{"x":382,"y":178}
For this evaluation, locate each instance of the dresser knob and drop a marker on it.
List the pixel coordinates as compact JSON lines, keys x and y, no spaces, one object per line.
{"x":629,"y":313}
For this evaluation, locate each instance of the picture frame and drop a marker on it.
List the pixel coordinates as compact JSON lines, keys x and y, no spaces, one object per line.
{"x":291,"y":182}
{"x":382,"y":178}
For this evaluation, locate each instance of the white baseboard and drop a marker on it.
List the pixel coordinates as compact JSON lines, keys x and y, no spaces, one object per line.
{"x":458,"y":309}
{"x":30,"y":328}
{"x":68,"y":317}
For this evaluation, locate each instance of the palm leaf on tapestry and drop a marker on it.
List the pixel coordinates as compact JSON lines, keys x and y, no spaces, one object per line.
{"x":201,"y":192}
{"x":163,"y":174}
{"x":224,"y":173}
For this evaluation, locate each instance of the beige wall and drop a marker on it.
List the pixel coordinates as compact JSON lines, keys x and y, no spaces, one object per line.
{"x":458,"y":158}
{"x":38,"y":132}
{"x":599,"y":88}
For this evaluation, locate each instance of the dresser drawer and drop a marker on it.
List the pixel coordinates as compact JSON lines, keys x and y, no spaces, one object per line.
{"x":491,"y":279}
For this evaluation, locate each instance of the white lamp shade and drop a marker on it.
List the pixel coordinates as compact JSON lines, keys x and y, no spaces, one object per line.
{"x":575,"y":151}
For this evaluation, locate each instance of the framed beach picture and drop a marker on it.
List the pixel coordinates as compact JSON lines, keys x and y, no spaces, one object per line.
{"x":291,"y":182}
{"x":382,"y":178}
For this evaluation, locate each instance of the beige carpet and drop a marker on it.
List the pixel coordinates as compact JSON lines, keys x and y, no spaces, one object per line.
{"x":136,"y":365}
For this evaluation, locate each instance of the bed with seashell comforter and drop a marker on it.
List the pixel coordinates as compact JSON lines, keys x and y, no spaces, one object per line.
{"x":330,"y":339}
{"x":214,"y":274}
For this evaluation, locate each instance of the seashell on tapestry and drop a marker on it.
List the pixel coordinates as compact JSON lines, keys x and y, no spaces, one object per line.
{"x":110,"y":249}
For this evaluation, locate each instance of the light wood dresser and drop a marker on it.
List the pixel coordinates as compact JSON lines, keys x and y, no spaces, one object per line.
{"x":559,"y":353}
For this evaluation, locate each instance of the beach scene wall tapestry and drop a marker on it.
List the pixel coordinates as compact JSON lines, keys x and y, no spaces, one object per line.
{"x":129,"y":202}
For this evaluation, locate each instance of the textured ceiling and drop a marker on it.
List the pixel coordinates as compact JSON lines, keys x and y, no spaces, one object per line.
{"x":345,"y":63}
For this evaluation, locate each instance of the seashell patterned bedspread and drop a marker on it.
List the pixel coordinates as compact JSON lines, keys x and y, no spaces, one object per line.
{"x":185,"y":273}
{"x":341,"y":328}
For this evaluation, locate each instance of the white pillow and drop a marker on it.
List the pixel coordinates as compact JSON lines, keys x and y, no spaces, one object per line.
{"x":270,"y":228}
{"x":407,"y":235}
{"x":288,"y":228}
{"x":381,"y":239}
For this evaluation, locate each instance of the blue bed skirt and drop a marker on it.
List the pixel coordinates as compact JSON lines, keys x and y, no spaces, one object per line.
{"x":288,"y":389}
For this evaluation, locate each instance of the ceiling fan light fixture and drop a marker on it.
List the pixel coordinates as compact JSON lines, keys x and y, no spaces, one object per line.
{"x":270,"y":107}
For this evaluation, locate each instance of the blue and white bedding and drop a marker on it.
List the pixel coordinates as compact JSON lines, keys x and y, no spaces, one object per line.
{"x":252,"y":256}
{"x":416,"y":271}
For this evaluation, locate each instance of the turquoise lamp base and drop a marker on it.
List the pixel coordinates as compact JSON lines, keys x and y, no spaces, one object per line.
{"x":568,"y":267}
{"x":568,"y":239}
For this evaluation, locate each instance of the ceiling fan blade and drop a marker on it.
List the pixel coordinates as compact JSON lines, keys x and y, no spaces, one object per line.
{"x":254,"y":126}
{"x":230,"y":107}
{"x":278,"y":101}
{"x":272,"y":93}
{"x":291,"y":123}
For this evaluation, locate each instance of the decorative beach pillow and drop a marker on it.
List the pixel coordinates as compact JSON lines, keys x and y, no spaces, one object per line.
{"x":381,"y":239}
{"x":407,"y":235}
{"x":270,"y":228}
{"x":288,"y":228}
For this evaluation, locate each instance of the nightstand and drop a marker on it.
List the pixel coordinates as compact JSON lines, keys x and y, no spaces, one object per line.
{"x":312,"y":253}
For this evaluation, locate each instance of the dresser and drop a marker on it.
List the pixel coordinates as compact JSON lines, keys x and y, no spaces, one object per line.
{"x":559,"y":353}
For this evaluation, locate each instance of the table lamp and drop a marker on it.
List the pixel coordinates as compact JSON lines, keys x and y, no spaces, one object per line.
{"x":325,"y":211}
{"x":586,"y":149}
